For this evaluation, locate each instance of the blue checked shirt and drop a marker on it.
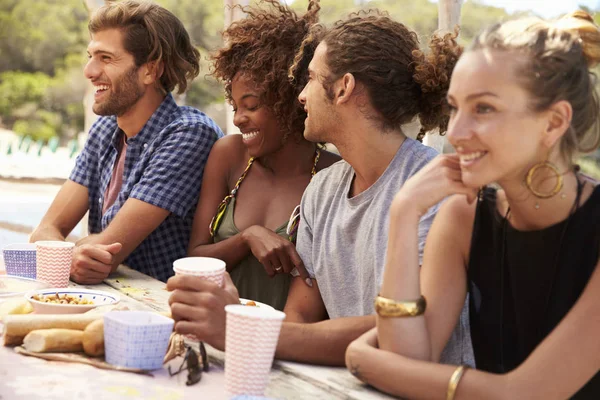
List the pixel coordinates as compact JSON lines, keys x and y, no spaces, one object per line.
{"x":164,"y":164}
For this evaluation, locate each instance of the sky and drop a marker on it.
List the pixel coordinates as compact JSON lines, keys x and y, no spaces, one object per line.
{"x":544,"y":8}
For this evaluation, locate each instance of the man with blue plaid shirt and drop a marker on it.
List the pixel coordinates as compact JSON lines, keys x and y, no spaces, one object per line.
{"x":140,"y":172}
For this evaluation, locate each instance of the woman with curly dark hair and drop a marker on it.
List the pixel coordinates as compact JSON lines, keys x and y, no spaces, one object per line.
{"x":254,"y":181}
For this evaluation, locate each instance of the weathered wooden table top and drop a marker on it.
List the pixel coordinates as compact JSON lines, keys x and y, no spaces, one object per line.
{"x":23,"y":378}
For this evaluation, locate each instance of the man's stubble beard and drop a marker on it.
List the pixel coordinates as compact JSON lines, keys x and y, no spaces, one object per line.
{"x":125,"y":93}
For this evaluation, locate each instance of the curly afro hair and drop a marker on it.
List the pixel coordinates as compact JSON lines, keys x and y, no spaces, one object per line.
{"x":262,"y":46}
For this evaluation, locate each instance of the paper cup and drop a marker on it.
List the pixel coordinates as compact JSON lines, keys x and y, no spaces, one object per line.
{"x":20,"y":260}
{"x":54,"y":262}
{"x":136,"y":339}
{"x":208,"y":268}
{"x":251,"y":337}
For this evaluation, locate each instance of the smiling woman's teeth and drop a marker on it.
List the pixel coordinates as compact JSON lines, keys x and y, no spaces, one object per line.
{"x":472,"y":156}
{"x":249,"y":135}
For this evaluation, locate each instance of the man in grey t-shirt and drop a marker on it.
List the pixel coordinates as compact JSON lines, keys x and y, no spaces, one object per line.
{"x":342,"y":240}
{"x":360,"y":68}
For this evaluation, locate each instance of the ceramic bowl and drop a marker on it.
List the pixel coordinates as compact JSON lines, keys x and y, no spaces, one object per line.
{"x":96,"y":297}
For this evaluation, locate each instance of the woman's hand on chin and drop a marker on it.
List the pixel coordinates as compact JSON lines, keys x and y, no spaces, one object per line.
{"x":433,"y":183}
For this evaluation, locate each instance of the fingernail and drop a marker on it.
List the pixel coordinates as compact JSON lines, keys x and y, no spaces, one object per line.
{"x":308,"y":282}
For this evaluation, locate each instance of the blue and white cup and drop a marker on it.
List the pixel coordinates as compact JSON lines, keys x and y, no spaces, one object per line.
{"x":136,"y":339}
{"x":20,"y":260}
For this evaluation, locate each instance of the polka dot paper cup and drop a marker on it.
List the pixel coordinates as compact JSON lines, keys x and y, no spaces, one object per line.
{"x":20,"y":260}
{"x":208,"y":268}
{"x":251,"y":338}
{"x":54,"y":262}
{"x":136,"y":339}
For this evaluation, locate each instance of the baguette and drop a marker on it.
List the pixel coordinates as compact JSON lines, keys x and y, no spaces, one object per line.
{"x":16,"y":327}
{"x":93,"y":339}
{"x":54,"y":341}
{"x":13,"y":340}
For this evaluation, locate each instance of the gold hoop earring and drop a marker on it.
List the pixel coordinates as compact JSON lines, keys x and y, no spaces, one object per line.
{"x":554,"y":169}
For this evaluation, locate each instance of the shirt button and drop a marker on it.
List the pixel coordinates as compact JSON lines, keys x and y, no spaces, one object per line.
{"x":100,"y":200}
{"x":145,"y":145}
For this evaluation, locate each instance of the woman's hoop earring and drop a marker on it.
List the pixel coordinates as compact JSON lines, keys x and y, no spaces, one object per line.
{"x":534,"y":169}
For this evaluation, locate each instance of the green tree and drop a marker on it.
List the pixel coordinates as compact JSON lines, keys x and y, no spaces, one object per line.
{"x":19,"y":89}
{"x":419,"y":15}
{"x":37,"y":35}
{"x":331,"y":10}
{"x":204,"y":22}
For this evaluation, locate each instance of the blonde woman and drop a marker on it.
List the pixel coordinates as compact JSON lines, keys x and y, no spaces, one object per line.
{"x":522,"y":106}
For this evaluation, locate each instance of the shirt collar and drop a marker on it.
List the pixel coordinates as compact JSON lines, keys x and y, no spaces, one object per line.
{"x":163,"y":114}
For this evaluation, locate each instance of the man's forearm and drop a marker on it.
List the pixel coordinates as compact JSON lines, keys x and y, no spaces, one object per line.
{"x":322,"y":342}
{"x":46,"y":233}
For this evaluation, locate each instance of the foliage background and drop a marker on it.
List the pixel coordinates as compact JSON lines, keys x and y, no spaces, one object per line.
{"x":42,"y":52}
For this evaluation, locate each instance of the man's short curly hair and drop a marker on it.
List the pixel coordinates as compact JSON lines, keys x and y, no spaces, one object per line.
{"x":262,"y":46}
{"x":401,"y":80}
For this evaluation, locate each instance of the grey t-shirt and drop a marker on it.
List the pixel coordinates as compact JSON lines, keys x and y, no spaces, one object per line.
{"x":342,"y":241}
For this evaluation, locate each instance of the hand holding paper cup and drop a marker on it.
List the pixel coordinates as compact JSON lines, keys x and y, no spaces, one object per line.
{"x":211,"y":269}
{"x":251,"y":338}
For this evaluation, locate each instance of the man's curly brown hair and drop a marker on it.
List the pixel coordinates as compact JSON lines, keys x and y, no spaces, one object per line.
{"x":401,"y":80}
{"x":262,"y":46}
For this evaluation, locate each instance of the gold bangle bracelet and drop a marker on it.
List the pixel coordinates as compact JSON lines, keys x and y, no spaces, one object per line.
{"x":454,"y":381}
{"x":390,"y":308}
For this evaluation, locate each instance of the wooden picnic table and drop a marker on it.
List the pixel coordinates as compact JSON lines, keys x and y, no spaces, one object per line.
{"x":25,"y":378}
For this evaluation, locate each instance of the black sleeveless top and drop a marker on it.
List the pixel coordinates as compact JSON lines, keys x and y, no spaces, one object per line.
{"x":543,"y":278}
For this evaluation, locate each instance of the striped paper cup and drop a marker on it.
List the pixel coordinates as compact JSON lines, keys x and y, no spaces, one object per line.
{"x":251,"y":337}
{"x":208,"y":268}
{"x":211,"y":269}
{"x":54,"y":262}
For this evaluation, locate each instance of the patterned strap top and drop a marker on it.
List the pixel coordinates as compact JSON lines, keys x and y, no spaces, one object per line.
{"x":292,"y":227}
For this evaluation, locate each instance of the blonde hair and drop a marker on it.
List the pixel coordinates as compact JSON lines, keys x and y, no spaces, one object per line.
{"x":151,"y":33}
{"x":559,"y":55}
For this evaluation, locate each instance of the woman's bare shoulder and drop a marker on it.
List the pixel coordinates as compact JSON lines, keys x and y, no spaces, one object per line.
{"x":230,"y":145}
{"x":228,"y":157}
{"x":230,"y":150}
